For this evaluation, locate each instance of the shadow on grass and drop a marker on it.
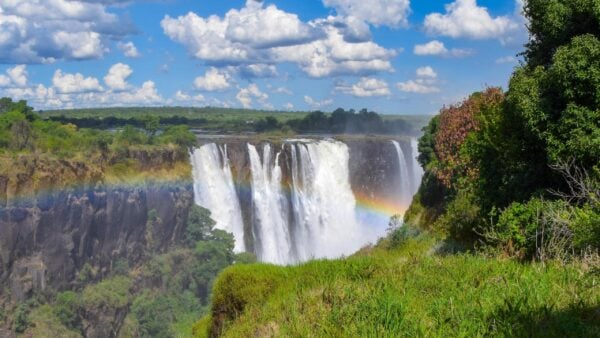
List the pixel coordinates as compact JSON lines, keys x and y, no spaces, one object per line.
{"x":576,"y":321}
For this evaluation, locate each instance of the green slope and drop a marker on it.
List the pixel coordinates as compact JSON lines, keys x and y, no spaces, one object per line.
{"x":406,"y":292}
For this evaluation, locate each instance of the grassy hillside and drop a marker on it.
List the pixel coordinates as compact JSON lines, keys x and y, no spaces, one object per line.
{"x":411,"y":290}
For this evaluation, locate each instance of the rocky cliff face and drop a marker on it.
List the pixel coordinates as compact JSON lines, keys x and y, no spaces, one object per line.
{"x":47,"y":236}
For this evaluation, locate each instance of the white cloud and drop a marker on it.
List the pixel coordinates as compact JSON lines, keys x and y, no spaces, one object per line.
{"x":426,"y":72}
{"x":146,"y":94}
{"x":393,"y":13}
{"x":423,"y":84}
{"x":235,"y":37}
{"x":117,"y":76}
{"x":314,"y":104}
{"x":76,"y":90}
{"x":74,"y":83}
{"x":417,"y":86}
{"x":255,"y":38}
{"x":129,"y":49}
{"x":42,"y":31}
{"x":288,"y":106}
{"x":333,"y":55}
{"x":366,"y":87}
{"x":465,"y":19}
{"x":246,"y":96}
{"x":437,"y":48}
{"x":186,"y":98}
{"x":213,"y":80}
{"x":15,"y":77}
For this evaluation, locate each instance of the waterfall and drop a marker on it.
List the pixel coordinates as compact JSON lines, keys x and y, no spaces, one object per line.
{"x":323,"y":202}
{"x":417,"y":170}
{"x":405,"y":189}
{"x":272,"y":239}
{"x":301,"y":204}
{"x":214,"y":190}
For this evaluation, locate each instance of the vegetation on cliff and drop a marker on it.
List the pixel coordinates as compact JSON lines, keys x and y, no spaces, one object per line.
{"x":161,"y":297}
{"x":37,"y":155}
{"x":520,"y":170}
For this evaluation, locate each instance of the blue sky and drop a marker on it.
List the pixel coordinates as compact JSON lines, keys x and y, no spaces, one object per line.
{"x":391,"y":56}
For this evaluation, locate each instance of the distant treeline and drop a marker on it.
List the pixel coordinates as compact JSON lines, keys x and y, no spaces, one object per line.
{"x":339,"y":122}
{"x":116,"y":122}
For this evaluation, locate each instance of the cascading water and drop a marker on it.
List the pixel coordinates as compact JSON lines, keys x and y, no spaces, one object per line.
{"x":301,"y":203}
{"x":323,"y":202}
{"x":214,"y":190}
{"x":417,"y":170}
{"x":272,"y":239}
{"x":405,"y":189}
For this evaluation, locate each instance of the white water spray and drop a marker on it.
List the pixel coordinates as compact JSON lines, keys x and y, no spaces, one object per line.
{"x":405,"y":190}
{"x":272,"y":238}
{"x":214,"y":190}
{"x":417,"y":170}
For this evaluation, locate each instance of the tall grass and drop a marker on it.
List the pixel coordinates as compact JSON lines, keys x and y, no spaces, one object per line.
{"x":408,"y":291}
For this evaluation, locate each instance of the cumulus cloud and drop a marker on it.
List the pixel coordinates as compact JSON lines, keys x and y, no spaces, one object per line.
{"x":437,"y":48}
{"x":117,"y":76}
{"x":288,"y":106}
{"x":129,"y":49}
{"x":426,"y":72}
{"x":315,"y":104}
{"x":246,"y":96}
{"x":465,"y":19}
{"x":74,"y":83}
{"x":39,"y":31}
{"x":425,"y":83}
{"x":235,"y":37}
{"x":185,"y":98}
{"x":76,"y":90}
{"x":417,"y":86}
{"x":213,"y":80}
{"x":15,"y":77}
{"x":333,"y":55}
{"x":366,"y":87}
{"x":255,"y":38}
{"x":393,"y":13}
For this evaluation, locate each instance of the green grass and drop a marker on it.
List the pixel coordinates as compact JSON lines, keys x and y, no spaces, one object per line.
{"x":406,"y":292}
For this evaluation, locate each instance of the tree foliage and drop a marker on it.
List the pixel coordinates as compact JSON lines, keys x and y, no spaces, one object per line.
{"x":497,"y":154}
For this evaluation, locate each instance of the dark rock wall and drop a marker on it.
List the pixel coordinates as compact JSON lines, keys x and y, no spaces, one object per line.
{"x":46,"y":240}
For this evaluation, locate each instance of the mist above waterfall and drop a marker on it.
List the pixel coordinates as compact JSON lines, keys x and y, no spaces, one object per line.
{"x":302,"y":199}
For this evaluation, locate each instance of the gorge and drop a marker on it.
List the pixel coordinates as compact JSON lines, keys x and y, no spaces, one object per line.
{"x":293,"y":200}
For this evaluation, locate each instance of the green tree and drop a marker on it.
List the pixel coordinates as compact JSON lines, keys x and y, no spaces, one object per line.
{"x":199,"y":225}
{"x":151,"y":125}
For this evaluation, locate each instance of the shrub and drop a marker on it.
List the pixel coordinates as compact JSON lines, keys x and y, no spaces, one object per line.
{"x":586,"y":228}
{"x":67,"y":308}
{"x":462,"y":220}
{"x":546,"y":229}
{"x":21,"y":319}
{"x":110,"y":293}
